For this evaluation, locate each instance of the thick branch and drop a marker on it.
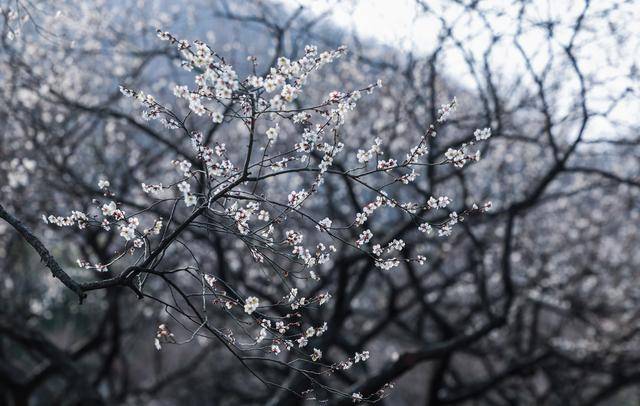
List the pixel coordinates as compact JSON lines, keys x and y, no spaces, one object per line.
{"x":44,"y":253}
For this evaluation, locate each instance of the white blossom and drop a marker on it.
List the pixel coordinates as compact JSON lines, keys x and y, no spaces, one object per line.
{"x":103,"y":184}
{"x":482,"y":134}
{"x":251,"y":304}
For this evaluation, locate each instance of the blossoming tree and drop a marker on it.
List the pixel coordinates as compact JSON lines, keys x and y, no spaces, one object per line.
{"x":281,"y":192}
{"x":286,"y":143}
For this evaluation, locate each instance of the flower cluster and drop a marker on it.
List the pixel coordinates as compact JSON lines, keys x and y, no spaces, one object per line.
{"x":259,"y":193}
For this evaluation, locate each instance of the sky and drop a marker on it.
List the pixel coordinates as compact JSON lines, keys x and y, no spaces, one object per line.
{"x":388,"y":21}
{"x":606,"y":57}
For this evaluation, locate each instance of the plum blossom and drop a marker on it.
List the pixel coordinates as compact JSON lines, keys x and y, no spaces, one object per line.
{"x":103,"y":184}
{"x":190,"y":200}
{"x":272,"y":133}
{"x":324,"y":224}
{"x":482,"y":134}
{"x":251,"y":304}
